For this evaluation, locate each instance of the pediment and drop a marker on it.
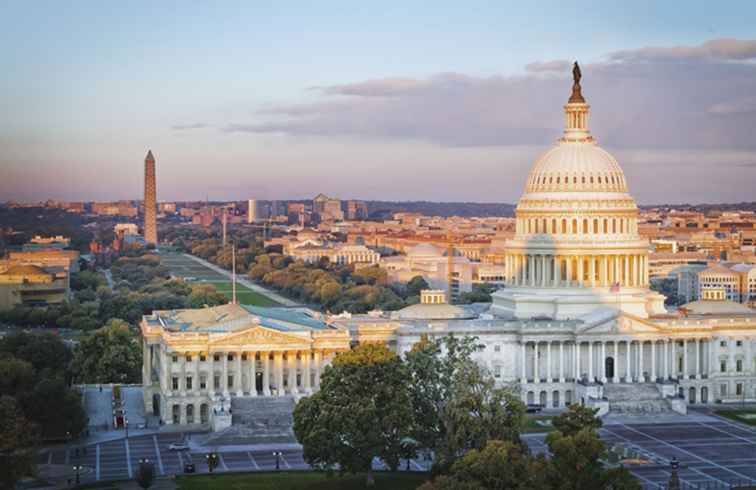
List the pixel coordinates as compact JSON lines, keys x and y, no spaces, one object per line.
{"x":623,"y":324}
{"x":259,"y":335}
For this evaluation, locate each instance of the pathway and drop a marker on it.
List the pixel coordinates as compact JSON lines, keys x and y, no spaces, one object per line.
{"x":245,"y":282}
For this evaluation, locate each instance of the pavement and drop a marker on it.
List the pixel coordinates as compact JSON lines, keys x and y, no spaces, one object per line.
{"x":246,"y":283}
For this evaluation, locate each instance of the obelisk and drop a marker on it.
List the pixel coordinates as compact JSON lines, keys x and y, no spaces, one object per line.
{"x":150,"y":200}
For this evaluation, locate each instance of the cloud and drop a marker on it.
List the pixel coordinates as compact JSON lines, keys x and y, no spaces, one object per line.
{"x":183,"y":127}
{"x":716,"y":49}
{"x":556,"y":66}
{"x":743,"y":105}
{"x":635,"y":103}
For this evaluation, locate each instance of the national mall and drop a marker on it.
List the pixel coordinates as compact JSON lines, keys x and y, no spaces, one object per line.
{"x":576,"y":321}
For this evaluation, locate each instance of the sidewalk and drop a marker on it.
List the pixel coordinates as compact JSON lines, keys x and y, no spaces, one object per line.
{"x":246,"y":283}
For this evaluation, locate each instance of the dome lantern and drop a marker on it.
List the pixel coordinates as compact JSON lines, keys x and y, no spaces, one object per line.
{"x":576,"y":112}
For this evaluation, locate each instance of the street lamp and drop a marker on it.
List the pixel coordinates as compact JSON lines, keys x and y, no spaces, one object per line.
{"x":77,"y":468}
{"x":674,"y":478}
{"x":278,"y":455}
{"x":146,"y":473}
{"x":212,"y":461}
{"x":126,"y":425}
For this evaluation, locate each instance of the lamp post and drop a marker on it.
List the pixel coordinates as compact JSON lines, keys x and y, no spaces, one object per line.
{"x":278,"y":455}
{"x":212,"y":461}
{"x":126,"y":425}
{"x":77,"y":468}
{"x":146,"y":473}
{"x":674,"y":478}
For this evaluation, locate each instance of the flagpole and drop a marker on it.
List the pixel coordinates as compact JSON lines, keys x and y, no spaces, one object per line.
{"x":233,"y":273}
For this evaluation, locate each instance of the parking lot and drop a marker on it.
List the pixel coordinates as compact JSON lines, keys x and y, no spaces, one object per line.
{"x":713,"y":454}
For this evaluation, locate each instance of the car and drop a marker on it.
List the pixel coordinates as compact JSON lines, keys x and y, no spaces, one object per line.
{"x":534,"y":408}
{"x":178,"y":446}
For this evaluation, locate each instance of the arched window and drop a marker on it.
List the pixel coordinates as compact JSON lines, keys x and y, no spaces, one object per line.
{"x":574,"y":226}
{"x":585,"y":226}
{"x":605,"y":226}
{"x":553,"y":225}
{"x":614,"y":225}
{"x":574,"y":179}
{"x":564,"y":226}
{"x":595,"y":225}
{"x":591,"y":179}
{"x":557,"y":179}
{"x":622,"y":226}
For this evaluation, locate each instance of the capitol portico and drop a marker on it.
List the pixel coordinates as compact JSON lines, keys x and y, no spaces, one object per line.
{"x":576,"y":321}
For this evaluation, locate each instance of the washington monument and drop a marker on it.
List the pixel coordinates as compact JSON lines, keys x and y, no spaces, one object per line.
{"x":150,"y":200}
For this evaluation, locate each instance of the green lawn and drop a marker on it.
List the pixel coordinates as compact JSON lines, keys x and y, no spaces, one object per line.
{"x":305,"y":480}
{"x":743,"y":416}
{"x":538,"y":423}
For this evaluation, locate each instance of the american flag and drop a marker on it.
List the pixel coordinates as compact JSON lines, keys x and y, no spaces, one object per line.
{"x":615,"y":287}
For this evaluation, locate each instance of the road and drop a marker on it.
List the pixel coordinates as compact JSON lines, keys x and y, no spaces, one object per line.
{"x":244,"y":282}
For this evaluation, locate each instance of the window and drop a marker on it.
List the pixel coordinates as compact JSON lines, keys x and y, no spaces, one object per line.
{"x":203,"y":358}
{"x":739,"y":389}
{"x":216,"y":380}
{"x":175,"y":383}
{"x":244,"y":357}
{"x":216,"y":357}
{"x":497,"y":348}
{"x":723,"y":343}
{"x":497,"y":372}
{"x":203,"y":382}
{"x":188,"y":382}
{"x":722,"y":366}
{"x":188,"y":358}
{"x":230,"y":357}
{"x":739,"y":365}
{"x":739,"y":343}
{"x":723,"y":390}
{"x":230,"y":380}
{"x":175,"y":358}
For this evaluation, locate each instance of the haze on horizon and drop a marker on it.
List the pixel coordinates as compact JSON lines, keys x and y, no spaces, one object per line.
{"x":397,"y":102}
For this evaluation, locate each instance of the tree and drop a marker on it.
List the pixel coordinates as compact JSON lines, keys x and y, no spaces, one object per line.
{"x":16,"y":376}
{"x":361,"y":412}
{"x":111,"y":354}
{"x":46,"y":352}
{"x":576,"y":418}
{"x":17,"y":440}
{"x":205,"y":295}
{"x":415,"y":285}
{"x":500,"y":465}
{"x":56,"y":409}
{"x":478,"y":412}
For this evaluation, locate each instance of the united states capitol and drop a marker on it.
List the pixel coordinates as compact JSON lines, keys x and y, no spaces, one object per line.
{"x":575,"y":323}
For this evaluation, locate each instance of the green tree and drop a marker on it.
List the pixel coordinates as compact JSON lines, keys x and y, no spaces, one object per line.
{"x":46,"y":352}
{"x":576,"y":418}
{"x":55,"y":408}
{"x":500,"y":465}
{"x":433,"y":365}
{"x":111,"y":354}
{"x":415,"y":285}
{"x":17,"y":440}
{"x":205,"y":295}
{"x":16,"y":376}
{"x":361,"y":412}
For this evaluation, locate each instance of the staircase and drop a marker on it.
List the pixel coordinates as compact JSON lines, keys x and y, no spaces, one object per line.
{"x":258,"y":420}
{"x":635,"y":398}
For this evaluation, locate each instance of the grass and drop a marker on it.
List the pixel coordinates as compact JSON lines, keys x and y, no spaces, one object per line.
{"x":299,"y":480}
{"x":743,"y":416}
{"x":536,"y":423}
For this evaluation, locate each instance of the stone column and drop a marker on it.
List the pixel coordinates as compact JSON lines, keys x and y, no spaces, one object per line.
{"x":748,"y":368}
{"x":685,"y":358}
{"x":238,"y":376}
{"x":318,"y":368}
{"x":265,"y":358}
{"x":306,"y":373}
{"x":548,"y":362}
{"x":196,"y":380}
{"x":531,"y":270}
{"x":557,"y":271}
{"x":666,"y":358}
{"x":165,"y":366}
{"x":615,"y":378}
{"x":697,"y":370}
{"x":626,"y":260}
{"x":653,"y":361}
{"x":544,"y":272}
{"x":731,"y":356}
{"x":536,"y":376}
{"x":580,"y":271}
{"x":628,"y":371}
{"x":523,"y":369}
{"x":592,"y":271}
{"x":576,"y":360}
{"x":291,"y":364}
{"x":604,"y":271}
{"x":641,"y":375}
{"x":561,"y":361}
{"x":252,"y":373}
{"x":278,"y":370}
{"x":182,"y":379}
{"x":211,"y":373}
{"x":146,"y":363}
{"x":224,"y":381}
{"x":590,"y":361}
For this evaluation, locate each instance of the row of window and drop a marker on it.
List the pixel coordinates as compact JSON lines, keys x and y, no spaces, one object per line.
{"x":229,"y":357}
{"x":576,"y":226}
{"x":599,"y":179}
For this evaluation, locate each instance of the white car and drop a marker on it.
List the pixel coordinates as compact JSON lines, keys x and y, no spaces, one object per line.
{"x":178,"y":446}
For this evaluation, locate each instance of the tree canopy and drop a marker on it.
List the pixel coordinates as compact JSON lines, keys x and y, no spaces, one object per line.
{"x":112,"y":354}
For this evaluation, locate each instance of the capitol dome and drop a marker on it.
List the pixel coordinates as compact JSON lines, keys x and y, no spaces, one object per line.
{"x":576,"y":246}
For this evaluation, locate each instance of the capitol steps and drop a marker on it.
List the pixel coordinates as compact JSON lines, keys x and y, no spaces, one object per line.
{"x":635,"y":398}
{"x":258,"y":420}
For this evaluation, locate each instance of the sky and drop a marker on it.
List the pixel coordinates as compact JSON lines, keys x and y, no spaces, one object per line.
{"x":443,"y":101}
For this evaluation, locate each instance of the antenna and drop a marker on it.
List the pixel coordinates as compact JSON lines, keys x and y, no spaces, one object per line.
{"x":233,"y":273}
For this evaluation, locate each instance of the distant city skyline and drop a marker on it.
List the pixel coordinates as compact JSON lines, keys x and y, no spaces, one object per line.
{"x":404,"y":102}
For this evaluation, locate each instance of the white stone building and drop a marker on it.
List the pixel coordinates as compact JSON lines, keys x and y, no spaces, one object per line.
{"x":577,"y":321}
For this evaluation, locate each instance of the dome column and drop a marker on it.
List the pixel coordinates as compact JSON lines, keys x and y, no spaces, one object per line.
{"x":592,"y":271}
{"x":557,"y":271}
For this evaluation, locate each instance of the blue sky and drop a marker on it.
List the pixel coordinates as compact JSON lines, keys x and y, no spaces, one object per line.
{"x":89,"y":86}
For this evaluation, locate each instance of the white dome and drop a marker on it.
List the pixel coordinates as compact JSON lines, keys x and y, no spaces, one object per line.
{"x":580,"y":166}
